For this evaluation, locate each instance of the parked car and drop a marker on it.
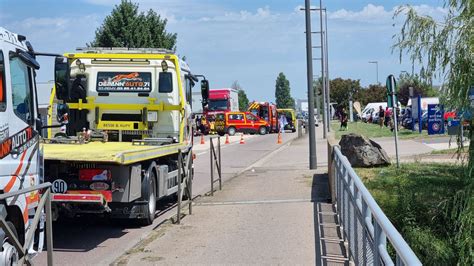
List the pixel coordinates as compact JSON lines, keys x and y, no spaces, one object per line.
{"x":245,"y":122}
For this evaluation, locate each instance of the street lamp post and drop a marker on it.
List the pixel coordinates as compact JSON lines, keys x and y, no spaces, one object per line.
{"x":376,"y":69}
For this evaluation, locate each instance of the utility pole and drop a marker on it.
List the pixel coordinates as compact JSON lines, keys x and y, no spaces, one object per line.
{"x":323,"y":69}
{"x":318,"y":104}
{"x":376,"y":69}
{"x":328,"y":98}
{"x":309,"y":77}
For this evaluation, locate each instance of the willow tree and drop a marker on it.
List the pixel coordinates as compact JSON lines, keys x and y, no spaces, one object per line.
{"x":445,"y":49}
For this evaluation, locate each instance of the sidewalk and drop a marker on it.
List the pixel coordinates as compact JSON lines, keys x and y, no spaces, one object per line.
{"x":274,"y":213}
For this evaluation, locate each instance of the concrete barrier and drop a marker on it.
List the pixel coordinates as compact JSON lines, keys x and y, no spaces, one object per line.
{"x":332,"y":142}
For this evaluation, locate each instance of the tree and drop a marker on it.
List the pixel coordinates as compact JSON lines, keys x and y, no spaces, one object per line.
{"x":243,"y":100}
{"x":282,"y":93}
{"x":374,"y":93}
{"x":420,"y":88}
{"x":341,"y":90}
{"x":446,"y":50}
{"x":126,"y":27}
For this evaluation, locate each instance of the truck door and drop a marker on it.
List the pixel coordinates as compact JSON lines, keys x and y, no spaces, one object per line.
{"x":19,"y":139}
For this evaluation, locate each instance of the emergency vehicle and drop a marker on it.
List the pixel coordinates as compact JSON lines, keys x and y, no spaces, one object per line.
{"x":268,"y":112}
{"x":128,"y":117}
{"x":20,"y":153}
{"x":220,"y":101}
{"x":245,"y":122}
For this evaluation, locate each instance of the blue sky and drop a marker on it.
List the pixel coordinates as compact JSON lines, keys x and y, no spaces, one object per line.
{"x":245,"y":40}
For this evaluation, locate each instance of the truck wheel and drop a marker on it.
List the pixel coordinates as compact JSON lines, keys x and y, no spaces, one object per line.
{"x":231,"y":131}
{"x":151,"y":206}
{"x":10,"y":255}
{"x":262,"y":130}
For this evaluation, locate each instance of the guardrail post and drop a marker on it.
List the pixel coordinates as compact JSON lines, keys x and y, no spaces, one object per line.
{"x":49,"y":227}
{"x":190,"y":181}
{"x":220,"y":165}
{"x":211,"y":150}
{"x":180,"y":161}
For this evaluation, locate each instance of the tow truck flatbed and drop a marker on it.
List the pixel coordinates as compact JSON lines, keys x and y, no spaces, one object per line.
{"x":109,"y":152}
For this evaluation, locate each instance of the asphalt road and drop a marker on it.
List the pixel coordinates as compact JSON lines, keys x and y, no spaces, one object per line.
{"x":95,"y":240}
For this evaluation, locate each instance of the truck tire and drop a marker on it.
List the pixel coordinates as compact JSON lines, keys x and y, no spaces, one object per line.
{"x":231,"y":131}
{"x":150,"y":208}
{"x":9,"y":255}
{"x":262,"y":130}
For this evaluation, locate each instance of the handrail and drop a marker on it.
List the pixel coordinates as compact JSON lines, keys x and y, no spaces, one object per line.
{"x":44,"y":202}
{"x":356,"y":206}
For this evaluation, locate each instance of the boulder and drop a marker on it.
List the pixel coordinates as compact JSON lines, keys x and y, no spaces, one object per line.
{"x":363,"y":152}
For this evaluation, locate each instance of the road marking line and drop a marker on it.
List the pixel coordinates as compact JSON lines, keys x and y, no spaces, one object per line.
{"x":250,"y":202}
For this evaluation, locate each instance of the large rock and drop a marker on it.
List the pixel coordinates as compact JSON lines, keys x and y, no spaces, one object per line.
{"x":363,"y":152}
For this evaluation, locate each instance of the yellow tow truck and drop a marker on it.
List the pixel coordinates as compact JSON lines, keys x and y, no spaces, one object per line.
{"x":122,"y":122}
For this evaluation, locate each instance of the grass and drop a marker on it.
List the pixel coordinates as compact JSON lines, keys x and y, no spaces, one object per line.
{"x":370,"y":130}
{"x":450,"y":151}
{"x":414,"y":199}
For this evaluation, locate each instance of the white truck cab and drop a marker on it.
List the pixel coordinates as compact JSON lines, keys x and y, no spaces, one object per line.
{"x":20,"y":158}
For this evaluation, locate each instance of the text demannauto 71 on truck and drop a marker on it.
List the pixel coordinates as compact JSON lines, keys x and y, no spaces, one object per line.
{"x":126,"y":116}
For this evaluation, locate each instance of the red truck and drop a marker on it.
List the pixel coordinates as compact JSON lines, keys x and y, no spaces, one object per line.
{"x":220,"y":101}
{"x":268,"y":112}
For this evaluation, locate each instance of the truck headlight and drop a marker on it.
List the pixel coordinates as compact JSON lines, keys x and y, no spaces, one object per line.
{"x":152,"y":116}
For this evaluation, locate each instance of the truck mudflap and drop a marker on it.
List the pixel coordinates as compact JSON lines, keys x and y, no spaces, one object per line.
{"x":83,"y":196}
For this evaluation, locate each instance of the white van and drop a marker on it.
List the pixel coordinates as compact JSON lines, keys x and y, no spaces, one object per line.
{"x":371,"y":109}
{"x":425,"y":101}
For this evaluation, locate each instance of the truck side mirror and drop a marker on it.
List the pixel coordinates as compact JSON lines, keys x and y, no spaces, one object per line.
{"x":205,"y":92}
{"x":61,"y":78}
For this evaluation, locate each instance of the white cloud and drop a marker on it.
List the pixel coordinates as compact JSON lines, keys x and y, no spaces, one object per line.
{"x":377,"y":14}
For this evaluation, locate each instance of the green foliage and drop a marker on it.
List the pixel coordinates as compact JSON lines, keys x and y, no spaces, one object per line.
{"x":283,"y":93}
{"x":413,"y":198}
{"x":341,"y":90}
{"x":374,"y":93}
{"x":126,"y":27}
{"x":243,"y":100}
{"x":420,"y":88}
{"x":446,"y":49}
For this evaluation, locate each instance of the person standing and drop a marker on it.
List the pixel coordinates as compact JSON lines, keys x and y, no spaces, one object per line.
{"x":381,"y":116}
{"x":388,"y":117}
{"x":343,"y":119}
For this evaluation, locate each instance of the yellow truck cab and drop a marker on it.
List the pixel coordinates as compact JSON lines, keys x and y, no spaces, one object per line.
{"x":290,"y":118}
{"x":122,"y":117}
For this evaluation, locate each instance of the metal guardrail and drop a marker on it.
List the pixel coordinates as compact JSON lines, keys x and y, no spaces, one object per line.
{"x":366,"y":228}
{"x":185,"y":182}
{"x":215,"y":159}
{"x":45,"y":202}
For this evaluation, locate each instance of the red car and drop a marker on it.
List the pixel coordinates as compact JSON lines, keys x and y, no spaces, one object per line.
{"x":245,"y":122}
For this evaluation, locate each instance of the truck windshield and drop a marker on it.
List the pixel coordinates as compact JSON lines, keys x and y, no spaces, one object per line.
{"x":218,"y":105}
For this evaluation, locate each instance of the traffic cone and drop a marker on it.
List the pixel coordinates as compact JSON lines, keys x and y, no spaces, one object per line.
{"x":279,"y":141}
{"x":202,"y":139}
{"x":242,"y":141}
{"x":227,"y":139}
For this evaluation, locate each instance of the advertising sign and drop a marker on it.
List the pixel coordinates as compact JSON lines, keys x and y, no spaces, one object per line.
{"x":435,"y":119}
{"x":123,"y":82}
